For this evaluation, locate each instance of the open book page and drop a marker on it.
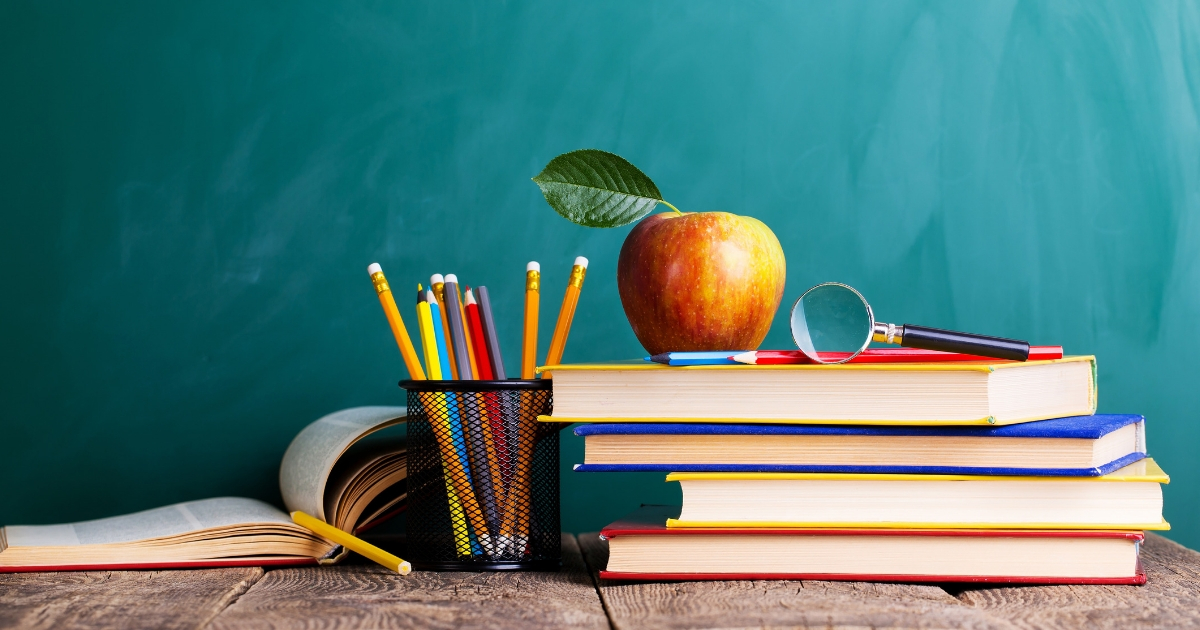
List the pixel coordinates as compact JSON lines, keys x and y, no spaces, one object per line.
{"x":313,"y":453}
{"x":171,"y":520}
{"x":370,"y":469}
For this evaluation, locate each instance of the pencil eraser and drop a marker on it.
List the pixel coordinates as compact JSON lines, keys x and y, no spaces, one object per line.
{"x":451,"y":278}
{"x":533,"y":266}
{"x":436,"y":279}
{"x":374,"y":268}
{"x":581,"y":261}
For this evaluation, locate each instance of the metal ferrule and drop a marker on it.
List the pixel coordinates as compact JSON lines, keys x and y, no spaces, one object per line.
{"x":888,"y":333}
{"x":533,"y":281}
{"x":577,"y":274}
{"x":380,"y":282}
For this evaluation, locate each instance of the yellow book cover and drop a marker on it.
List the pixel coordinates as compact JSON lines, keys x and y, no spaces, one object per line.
{"x":966,"y":393}
{"x":1129,"y":498}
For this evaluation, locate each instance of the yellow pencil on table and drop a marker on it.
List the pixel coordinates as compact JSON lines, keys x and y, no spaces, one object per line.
{"x":533,"y":284}
{"x":407,"y":351}
{"x":566,"y":314}
{"x":438,"y":284}
{"x":352,"y":542}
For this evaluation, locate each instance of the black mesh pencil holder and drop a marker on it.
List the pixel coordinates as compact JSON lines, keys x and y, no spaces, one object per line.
{"x":482,"y":476}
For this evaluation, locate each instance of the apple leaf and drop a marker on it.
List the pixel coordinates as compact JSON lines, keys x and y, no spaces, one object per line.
{"x":597,"y":188}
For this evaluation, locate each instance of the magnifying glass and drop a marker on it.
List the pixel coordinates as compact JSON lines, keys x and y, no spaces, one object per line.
{"x":832,"y":323}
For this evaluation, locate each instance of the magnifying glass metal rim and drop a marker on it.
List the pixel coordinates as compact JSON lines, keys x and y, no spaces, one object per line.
{"x":870,"y":321}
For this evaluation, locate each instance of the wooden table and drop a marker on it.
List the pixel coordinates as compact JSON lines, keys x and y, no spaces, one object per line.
{"x":361,"y":595}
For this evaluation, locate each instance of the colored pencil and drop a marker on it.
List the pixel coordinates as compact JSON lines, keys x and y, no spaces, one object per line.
{"x":462,"y":313}
{"x":724,"y":357}
{"x":489,"y":330}
{"x":439,"y":334}
{"x":407,"y":351}
{"x":438,"y":284}
{"x":351,"y":542}
{"x":566,"y":313}
{"x":428,"y":341}
{"x":478,"y":336}
{"x":533,"y":288}
{"x":884,"y":355}
{"x":458,"y":335}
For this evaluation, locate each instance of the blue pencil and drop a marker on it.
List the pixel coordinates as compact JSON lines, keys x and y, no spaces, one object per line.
{"x":722,"y":357}
{"x":451,"y":403}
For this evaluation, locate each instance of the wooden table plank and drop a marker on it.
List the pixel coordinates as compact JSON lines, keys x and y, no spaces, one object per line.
{"x":1169,"y":599}
{"x":120,"y":599}
{"x":370,"y":596}
{"x":799,"y":604}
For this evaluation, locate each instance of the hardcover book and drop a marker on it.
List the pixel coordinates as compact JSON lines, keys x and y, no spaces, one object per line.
{"x":1129,"y":498}
{"x":641,"y":548}
{"x":1004,"y":392}
{"x":332,"y":470}
{"x":1062,"y":447}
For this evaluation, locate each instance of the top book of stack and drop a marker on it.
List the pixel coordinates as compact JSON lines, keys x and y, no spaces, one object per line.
{"x":1001,"y":392}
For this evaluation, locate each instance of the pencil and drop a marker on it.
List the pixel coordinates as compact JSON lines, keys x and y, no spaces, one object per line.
{"x":457,"y":335}
{"x":351,"y":542}
{"x":462,"y":313}
{"x":533,"y":287}
{"x":439,"y":335}
{"x":558,"y":343}
{"x":489,"y":333}
{"x":882,"y":355}
{"x":458,"y":520}
{"x":478,"y":338}
{"x":438,"y":284}
{"x":407,"y":351}
{"x":456,"y":444}
{"x":724,"y":357}
{"x":428,"y":341}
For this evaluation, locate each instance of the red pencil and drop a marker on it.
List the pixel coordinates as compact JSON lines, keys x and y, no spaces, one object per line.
{"x":884,"y":355}
{"x":475,"y":325}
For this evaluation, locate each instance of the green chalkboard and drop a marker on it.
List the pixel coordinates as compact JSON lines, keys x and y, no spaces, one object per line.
{"x":191,"y":193}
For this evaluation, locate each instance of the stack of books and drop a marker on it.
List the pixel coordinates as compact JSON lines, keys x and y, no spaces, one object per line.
{"x":967,"y":471}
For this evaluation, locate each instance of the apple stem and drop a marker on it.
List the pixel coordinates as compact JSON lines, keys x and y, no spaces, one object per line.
{"x":668,"y":204}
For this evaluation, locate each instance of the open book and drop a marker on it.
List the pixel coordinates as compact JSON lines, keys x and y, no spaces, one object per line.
{"x":329,"y":471}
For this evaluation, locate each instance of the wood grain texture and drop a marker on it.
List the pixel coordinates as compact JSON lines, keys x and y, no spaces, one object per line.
{"x":1169,"y":599}
{"x":120,"y":599}
{"x":359,"y":596}
{"x":764,"y":604}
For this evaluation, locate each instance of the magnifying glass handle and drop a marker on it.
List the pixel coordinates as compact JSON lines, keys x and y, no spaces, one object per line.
{"x":925,"y":338}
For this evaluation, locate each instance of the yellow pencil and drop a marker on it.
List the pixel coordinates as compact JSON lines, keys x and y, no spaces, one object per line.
{"x":352,"y":542}
{"x":533,"y":284}
{"x":462,"y":314}
{"x":428,"y":341}
{"x":411,"y":361}
{"x":458,"y":519}
{"x":437,"y":283}
{"x":567,"y":313}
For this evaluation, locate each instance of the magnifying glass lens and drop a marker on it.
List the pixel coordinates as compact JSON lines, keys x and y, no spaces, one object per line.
{"x":831,"y":318}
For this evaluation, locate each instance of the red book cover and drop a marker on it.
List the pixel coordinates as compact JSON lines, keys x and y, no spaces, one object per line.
{"x":650,"y":520}
{"x":273,"y":561}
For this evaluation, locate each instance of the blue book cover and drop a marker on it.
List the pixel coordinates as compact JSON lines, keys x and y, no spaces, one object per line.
{"x":1076,"y":427}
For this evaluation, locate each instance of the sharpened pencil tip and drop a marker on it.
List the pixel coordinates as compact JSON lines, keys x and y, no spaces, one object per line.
{"x":749,"y":358}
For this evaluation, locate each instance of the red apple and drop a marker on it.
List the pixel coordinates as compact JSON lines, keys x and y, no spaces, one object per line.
{"x":700,"y":281}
